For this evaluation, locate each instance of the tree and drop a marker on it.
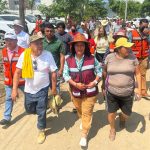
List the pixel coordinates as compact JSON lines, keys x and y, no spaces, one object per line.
{"x":118,"y":6}
{"x":3,"y":4}
{"x":31,"y":4}
{"x":145,"y":9}
{"x":79,"y":9}
{"x":95,"y":9}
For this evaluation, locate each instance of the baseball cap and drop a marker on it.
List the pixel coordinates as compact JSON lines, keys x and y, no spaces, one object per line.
{"x":10,"y":35}
{"x":123,"y":42}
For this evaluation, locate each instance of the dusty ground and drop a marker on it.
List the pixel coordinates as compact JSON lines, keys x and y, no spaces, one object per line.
{"x":63,"y":132}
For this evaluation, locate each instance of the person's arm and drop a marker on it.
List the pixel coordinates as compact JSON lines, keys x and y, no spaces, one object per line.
{"x":16,"y":78}
{"x":104,"y":75}
{"x":62,"y":58}
{"x":62,"y":61}
{"x":138,"y":79}
{"x":54,"y":82}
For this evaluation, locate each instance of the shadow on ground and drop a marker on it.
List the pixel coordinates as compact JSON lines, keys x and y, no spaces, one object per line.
{"x":98,"y":122}
{"x":15,"y":120}
{"x":65,"y":119}
{"x":133,"y":123}
{"x":66,"y":97}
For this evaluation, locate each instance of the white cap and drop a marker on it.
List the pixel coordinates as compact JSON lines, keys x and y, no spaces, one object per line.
{"x":18,"y":23}
{"x":10,"y":35}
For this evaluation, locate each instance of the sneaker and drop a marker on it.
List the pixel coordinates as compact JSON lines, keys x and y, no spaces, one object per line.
{"x":41,"y":137}
{"x":4,"y":122}
{"x":83,"y":142}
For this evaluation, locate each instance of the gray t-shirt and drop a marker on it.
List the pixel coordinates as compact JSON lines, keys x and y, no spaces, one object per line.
{"x":120,"y":74}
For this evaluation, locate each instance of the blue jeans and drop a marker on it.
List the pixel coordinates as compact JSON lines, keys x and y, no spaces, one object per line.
{"x":37,"y":104}
{"x":9,"y":102}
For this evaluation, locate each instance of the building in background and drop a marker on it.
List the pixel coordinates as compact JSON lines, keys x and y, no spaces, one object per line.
{"x":14,"y":4}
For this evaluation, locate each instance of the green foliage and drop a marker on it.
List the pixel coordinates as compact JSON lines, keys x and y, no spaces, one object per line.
{"x":95,"y":9}
{"x":3,"y":4}
{"x":30,"y":3}
{"x":118,"y":6}
{"x":145,"y":10}
{"x":79,"y":9}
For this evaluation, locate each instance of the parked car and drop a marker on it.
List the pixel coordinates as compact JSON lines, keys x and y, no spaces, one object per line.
{"x":29,"y":19}
{"x":5,"y":26}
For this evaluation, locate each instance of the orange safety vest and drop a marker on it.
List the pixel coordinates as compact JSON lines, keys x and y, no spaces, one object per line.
{"x":141,"y":46}
{"x":10,"y":67}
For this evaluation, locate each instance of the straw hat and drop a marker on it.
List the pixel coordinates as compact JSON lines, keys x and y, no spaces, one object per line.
{"x":121,"y":33}
{"x":123,"y":42}
{"x":35,"y":38}
{"x":79,"y":38}
{"x":104,"y":22}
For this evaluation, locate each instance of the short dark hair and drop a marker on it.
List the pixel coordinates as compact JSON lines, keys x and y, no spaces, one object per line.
{"x":86,"y":52}
{"x":61,"y":24}
{"x":143,"y":21}
{"x":48,"y":25}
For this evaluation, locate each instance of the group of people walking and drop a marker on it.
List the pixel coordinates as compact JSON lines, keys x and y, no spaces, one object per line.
{"x":117,"y":61}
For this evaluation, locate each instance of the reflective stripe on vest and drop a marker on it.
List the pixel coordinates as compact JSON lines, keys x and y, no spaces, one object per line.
{"x":15,"y":59}
{"x":5,"y":58}
{"x":136,"y":38}
{"x":73,"y":70}
{"x":6,"y":79}
{"x":83,"y":68}
{"x":87,"y":67}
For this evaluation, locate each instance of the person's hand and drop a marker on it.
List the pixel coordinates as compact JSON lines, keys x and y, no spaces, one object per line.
{"x":81,"y":86}
{"x":14,"y":95}
{"x":138,"y":94}
{"x":60,"y":72}
{"x":137,"y":91}
{"x":91,"y":85}
{"x":54,"y":92}
{"x":146,"y":31}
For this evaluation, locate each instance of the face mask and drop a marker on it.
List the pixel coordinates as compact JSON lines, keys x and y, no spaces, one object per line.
{"x":73,"y":30}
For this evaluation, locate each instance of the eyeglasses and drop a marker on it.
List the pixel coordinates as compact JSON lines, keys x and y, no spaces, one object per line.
{"x":35,"y":65}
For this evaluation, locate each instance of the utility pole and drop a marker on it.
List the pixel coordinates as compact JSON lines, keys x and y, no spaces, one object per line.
{"x":21,"y":12}
{"x":126,"y":9}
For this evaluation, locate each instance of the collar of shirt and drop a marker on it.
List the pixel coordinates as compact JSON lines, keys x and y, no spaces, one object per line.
{"x":12,"y":51}
{"x":51,"y":39}
{"x":79,"y":62}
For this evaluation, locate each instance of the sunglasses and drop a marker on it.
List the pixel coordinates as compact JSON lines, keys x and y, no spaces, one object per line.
{"x":35,"y":65}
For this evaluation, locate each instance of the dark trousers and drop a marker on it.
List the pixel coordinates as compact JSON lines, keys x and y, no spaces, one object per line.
{"x":37,"y":104}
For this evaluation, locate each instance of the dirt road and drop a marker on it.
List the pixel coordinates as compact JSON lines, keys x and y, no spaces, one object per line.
{"x":63,"y":132}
